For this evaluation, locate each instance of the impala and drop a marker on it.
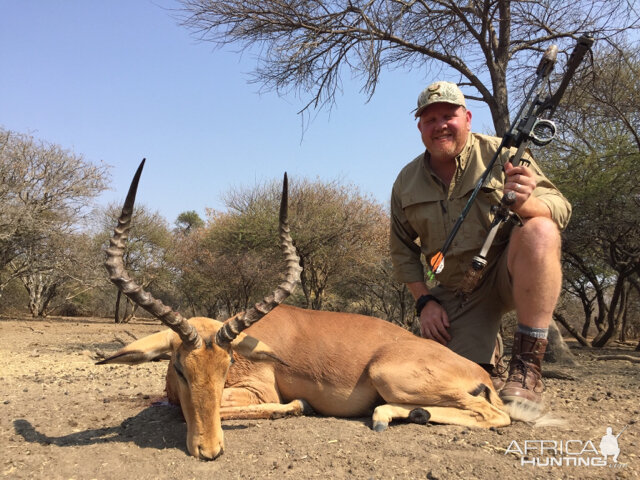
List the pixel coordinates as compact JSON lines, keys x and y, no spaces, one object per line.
{"x":275,"y":360}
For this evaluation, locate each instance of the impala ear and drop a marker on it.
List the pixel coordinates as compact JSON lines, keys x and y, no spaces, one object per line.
{"x":147,"y":349}
{"x":253,"y":349}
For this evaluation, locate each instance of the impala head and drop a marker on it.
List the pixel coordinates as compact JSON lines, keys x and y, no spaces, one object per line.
{"x":200,"y":348}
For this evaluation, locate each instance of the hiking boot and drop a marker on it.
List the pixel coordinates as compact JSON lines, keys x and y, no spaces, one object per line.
{"x":498,"y":376}
{"x":525,"y":372}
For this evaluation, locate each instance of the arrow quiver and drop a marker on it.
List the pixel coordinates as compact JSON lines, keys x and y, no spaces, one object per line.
{"x":532,"y":124}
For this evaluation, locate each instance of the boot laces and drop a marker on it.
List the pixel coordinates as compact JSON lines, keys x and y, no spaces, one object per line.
{"x":500,"y":367}
{"x":521,"y":369}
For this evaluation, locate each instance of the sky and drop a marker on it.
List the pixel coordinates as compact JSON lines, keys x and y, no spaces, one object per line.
{"x":119,"y":80}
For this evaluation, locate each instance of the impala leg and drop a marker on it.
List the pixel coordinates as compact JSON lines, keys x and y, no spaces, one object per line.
{"x":383,"y":415}
{"x":243,"y":403}
{"x":269,"y":411}
{"x":485,"y":416}
{"x":240,"y":397}
{"x":482,"y":414}
{"x":456,"y":392}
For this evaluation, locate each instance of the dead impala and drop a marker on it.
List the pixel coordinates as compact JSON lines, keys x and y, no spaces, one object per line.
{"x":291,"y":361}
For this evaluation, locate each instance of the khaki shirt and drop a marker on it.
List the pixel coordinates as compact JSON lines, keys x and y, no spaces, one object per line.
{"x":424,"y":210}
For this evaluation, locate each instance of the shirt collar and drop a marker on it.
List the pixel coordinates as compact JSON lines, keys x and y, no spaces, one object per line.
{"x":463,"y":157}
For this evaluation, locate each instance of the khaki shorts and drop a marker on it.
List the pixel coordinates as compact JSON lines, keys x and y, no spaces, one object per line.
{"x":475,"y":323}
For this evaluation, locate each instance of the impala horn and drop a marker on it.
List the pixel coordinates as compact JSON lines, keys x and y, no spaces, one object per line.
{"x":237,"y":324}
{"x":118,"y":275}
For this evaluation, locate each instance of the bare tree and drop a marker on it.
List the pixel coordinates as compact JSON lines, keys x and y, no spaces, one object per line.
{"x":372,"y":290}
{"x":45,"y":191}
{"x":192,"y":260}
{"x":597,"y":166}
{"x":59,"y":269}
{"x":44,"y":270}
{"x":235,"y":258}
{"x":307,"y":45}
{"x":220,"y":275}
{"x":337,"y":232}
{"x":145,"y":256}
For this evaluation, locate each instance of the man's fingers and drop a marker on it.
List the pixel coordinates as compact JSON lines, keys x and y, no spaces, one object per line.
{"x":435,"y":335}
{"x":442,"y":333}
{"x":445,"y":319}
{"x":434,"y":326}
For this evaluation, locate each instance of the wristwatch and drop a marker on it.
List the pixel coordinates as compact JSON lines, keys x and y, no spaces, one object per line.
{"x":423,"y":300}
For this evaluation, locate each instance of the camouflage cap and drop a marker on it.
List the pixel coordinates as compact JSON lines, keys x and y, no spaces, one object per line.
{"x":437,"y":92}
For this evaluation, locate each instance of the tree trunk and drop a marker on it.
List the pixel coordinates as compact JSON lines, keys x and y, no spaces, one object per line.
{"x":570,"y":328}
{"x":613,"y":317}
{"x":623,"y":322}
{"x":587,"y":308}
{"x":50,"y":293}
{"x":126,"y":318}
{"x":585,"y":327}
{"x":117,"y":314}
{"x":304,"y":284}
{"x":498,"y":109}
{"x":599,"y":320}
{"x":316,"y":304}
{"x":34,"y":289}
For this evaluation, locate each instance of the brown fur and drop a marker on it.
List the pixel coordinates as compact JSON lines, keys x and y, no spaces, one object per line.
{"x":339,"y":364}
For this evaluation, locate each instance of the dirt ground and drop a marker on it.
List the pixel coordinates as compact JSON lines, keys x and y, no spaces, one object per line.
{"x":63,"y":417}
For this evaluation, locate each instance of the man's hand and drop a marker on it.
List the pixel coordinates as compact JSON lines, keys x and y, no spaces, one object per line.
{"x":521,"y":181}
{"x":434,"y":323}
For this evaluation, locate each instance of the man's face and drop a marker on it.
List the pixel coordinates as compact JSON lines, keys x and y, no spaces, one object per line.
{"x":444,"y":128}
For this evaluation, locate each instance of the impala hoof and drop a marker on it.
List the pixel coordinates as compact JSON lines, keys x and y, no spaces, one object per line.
{"x":380,"y":426}
{"x":419,"y":416}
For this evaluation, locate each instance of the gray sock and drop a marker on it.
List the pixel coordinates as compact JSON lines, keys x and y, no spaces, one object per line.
{"x":533,"y":332}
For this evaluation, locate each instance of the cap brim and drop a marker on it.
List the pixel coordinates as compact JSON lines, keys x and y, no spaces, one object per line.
{"x":418,"y":111}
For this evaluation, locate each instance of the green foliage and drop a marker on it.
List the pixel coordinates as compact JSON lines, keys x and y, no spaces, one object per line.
{"x":341,"y":237}
{"x":147,"y":252}
{"x":188,"y":221}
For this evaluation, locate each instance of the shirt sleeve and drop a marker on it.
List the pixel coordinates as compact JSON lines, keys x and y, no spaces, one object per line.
{"x":405,"y":252}
{"x":548,"y":194}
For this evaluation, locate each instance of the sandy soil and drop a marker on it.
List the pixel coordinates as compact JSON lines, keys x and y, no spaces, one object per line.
{"x":63,"y":417}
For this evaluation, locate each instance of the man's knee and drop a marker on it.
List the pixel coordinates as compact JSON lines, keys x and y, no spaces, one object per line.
{"x":538,"y":234}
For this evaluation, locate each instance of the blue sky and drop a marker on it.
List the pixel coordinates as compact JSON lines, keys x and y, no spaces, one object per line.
{"x":120,"y":80}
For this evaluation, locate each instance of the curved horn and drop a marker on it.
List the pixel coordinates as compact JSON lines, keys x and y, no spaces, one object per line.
{"x":233,"y":327}
{"x":118,"y":275}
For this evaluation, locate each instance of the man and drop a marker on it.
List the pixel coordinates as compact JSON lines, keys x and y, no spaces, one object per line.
{"x":523,"y":270}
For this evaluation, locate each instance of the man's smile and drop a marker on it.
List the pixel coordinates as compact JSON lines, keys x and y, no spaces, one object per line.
{"x":442,"y":137}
